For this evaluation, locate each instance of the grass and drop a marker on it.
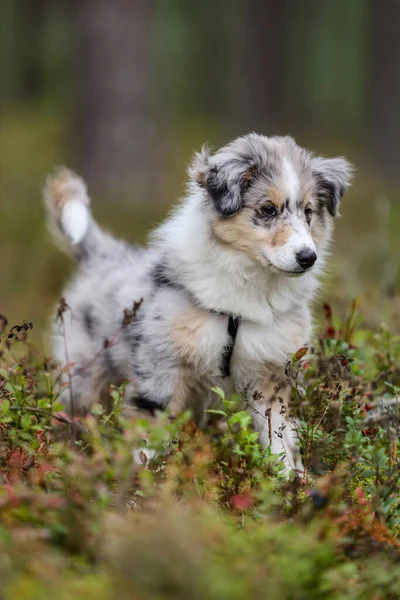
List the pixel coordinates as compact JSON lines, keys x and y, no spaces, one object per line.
{"x":212,"y":516}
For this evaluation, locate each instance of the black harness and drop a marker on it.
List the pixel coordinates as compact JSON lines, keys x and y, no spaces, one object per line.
{"x":233,"y":326}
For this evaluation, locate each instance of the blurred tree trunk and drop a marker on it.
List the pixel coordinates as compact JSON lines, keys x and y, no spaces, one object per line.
{"x":205,"y":21}
{"x":115,"y":89}
{"x":31,"y":16}
{"x":256,"y":90}
{"x":385,"y":86}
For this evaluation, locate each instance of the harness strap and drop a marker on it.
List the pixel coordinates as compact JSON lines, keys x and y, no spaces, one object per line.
{"x":233,"y":322}
{"x":233,"y":326}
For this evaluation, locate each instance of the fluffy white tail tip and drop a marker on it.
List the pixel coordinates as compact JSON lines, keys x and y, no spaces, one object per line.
{"x":75,"y":220}
{"x":67,"y":203}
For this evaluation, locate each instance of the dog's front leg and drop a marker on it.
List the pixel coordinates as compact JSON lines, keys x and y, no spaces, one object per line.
{"x":269,"y":407}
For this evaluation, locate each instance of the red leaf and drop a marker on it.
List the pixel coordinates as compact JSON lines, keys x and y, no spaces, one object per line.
{"x":370,"y":431}
{"x":301,"y":352}
{"x":143,"y":457}
{"x":361,"y":498}
{"x":327,"y":311}
{"x":330,"y":332}
{"x":241,"y":501}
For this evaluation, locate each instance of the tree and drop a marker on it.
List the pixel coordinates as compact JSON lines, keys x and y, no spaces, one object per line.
{"x":258,"y":45}
{"x":115,"y":92}
{"x":385,"y":86}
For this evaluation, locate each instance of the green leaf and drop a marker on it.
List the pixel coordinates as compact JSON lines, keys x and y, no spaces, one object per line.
{"x":242,"y":417}
{"x":5,"y":406}
{"x":368,"y":473}
{"x":6,"y":419}
{"x":26,"y":421}
{"x":58,"y":407}
{"x":44,"y":403}
{"x":216,"y":412}
{"x":97,"y":409}
{"x":219,"y":392}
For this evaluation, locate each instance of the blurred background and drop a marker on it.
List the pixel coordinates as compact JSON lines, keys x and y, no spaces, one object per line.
{"x":125,"y":90}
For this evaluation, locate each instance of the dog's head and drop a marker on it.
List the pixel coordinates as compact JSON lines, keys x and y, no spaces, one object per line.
{"x":271,"y":199}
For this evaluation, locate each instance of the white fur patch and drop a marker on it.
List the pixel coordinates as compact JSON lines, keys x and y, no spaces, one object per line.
{"x":290,"y":180}
{"x":75,"y":220}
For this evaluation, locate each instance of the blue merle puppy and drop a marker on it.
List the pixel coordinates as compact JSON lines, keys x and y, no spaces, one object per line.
{"x":221,"y":295}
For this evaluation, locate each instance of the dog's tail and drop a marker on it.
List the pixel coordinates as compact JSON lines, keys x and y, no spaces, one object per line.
{"x":68,"y":209}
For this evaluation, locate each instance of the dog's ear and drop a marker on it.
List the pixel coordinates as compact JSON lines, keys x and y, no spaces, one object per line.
{"x":333,"y":177}
{"x":225,"y":182}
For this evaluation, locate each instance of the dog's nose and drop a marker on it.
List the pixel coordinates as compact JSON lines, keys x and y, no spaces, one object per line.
{"x":306,"y":258}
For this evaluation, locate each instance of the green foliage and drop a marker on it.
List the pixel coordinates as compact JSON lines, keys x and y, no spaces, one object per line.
{"x":211,"y":516}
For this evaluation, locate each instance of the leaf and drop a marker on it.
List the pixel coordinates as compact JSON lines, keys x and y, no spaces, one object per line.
{"x":241,"y":501}
{"x":220,"y":392}
{"x":242,"y":417}
{"x":368,"y":473}
{"x":216,"y":412}
{"x":300,"y":353}
{"x":392,"y":387}
{"x":97,"y":409}
{"x":58,"y":407}
{"x":115,"y":395}
{"x":5,"y":406}
{"x":26,"y":421}
{"x":143,"y":457}
{"x":6,"y":419}
{"x":44,"y":403}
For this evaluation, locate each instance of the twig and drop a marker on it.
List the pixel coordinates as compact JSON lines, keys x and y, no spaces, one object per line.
{"x":128,"y":318}
{"x":315,"y":427}
{"x":62,"y":308}
{"x":47,"y":413}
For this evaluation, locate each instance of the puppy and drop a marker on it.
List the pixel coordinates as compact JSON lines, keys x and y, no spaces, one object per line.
{"x":221,"y":296}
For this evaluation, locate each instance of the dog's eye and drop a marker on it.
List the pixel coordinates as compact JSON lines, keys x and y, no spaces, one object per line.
{"x":308,"y":212}
{"x":269,"y":210}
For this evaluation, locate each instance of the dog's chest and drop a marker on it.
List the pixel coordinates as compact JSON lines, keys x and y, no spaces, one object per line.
{"x":208,"y":342}
{"x":259,"y":347}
